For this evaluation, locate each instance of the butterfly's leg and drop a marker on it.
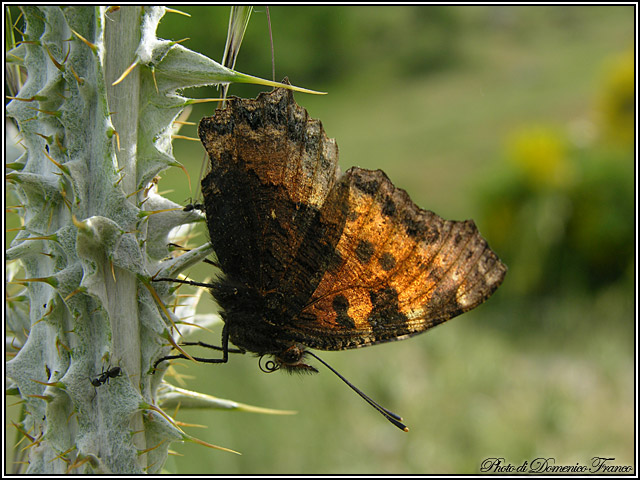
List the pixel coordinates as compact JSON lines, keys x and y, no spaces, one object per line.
{"x":212,"y":347}
{"x":225,"y":350}
{"x":205,"y":260}
{"x":186,"y":282}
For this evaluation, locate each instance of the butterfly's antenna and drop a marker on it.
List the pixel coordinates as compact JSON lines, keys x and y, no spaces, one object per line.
{"x":388,"y":414}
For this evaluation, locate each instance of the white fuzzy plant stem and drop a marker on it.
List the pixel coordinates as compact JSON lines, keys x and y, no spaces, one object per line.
{"x":89,"y":242}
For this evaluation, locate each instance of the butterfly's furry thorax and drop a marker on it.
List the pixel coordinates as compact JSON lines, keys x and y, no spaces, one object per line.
{"x":248,"y":320}
{"x":254,"y":322}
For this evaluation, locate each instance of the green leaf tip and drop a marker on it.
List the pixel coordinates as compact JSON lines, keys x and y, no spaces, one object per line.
{"x":172,"y":396}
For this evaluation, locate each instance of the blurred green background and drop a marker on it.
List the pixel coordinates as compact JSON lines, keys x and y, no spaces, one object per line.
{"x":520,"y":117}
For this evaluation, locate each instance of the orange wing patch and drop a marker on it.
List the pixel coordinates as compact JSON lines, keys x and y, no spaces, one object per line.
{"x":401,"y":269}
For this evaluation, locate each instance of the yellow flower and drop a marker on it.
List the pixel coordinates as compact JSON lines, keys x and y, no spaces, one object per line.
{"x":617,"y":101}
{"x":540,"y":153}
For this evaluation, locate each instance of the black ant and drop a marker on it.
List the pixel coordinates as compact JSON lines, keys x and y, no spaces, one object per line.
{"x":105,"y":376}
{"x":193,"y":206}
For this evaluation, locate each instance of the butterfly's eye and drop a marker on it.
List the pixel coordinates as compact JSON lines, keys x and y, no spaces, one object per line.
{"x":290,"y":356}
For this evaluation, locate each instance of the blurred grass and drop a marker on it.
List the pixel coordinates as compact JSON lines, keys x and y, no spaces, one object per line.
{"x":522,"y":376}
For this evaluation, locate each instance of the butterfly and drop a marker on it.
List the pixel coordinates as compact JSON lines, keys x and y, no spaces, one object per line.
{"x":315,"y":259}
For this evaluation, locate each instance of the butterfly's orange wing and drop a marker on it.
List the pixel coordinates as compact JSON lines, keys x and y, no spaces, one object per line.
{"x":399,"y":270}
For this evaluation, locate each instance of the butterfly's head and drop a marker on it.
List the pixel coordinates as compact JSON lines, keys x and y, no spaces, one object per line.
{"x":291,"y":360}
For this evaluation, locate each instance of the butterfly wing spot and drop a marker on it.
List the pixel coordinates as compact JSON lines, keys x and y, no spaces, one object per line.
{"x":340,"y":305}
{"x":387,"y":261}
{"x":386,"y":313}
{"x":364,"y":251}
{"x":389,"y":207}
